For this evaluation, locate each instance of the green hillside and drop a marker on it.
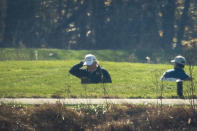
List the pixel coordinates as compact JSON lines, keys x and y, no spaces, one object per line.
{"x":103,"y":55}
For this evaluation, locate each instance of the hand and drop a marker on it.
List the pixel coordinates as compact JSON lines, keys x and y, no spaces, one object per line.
{"x":190,"y":79}
{"x":99,"y":67}
{"x":82,"y":62}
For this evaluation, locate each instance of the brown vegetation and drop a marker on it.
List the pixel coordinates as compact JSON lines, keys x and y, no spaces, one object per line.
{"x":57,"y":117}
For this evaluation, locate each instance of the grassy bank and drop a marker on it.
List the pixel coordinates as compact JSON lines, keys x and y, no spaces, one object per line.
{"x":51,"y":79}
{"x":157,"y":56}
{"x":96,"y":117}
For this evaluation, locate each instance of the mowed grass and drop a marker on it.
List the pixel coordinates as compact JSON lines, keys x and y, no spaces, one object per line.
{"x":157,"y":56}
{"x":60,"y":54}
{"x":51,"y":79}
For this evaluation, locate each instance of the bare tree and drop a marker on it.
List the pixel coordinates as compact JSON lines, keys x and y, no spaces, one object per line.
{"x":3,"y":13}
{"x":183,"y":23}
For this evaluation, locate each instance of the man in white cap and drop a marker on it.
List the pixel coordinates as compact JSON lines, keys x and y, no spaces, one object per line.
{"x":177,"y":74}
{"x":93,"y":73}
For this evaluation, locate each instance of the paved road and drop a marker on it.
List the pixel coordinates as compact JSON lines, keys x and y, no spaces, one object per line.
{"x":96,"y":101}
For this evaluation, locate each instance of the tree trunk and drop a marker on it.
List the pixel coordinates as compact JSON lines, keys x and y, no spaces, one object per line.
{"x":3,"y":12}
{"x":168,"y":18}
{"x":183,"y":23}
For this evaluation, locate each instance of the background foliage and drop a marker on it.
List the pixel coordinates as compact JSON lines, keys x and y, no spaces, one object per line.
{"x":98,"y":24}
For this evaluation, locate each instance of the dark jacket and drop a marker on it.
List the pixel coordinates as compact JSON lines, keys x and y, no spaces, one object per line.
{"x":100,"y":75}
{"x":174,"y":74}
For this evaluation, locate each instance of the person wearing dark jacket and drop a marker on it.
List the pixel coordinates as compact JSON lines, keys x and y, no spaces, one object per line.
{"x":177,"y":74}
{"x":93,"y":73}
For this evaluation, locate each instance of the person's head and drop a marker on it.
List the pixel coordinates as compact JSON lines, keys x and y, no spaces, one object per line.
{"x":179,"y":62}
{"x":90,"y":62}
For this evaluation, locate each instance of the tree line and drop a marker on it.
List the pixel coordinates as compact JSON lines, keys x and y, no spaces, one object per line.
{"x":98,"y":24}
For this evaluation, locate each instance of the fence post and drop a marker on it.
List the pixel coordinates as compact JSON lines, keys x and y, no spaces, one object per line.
{"x":180,"y":89}
{"x":36,"y":54}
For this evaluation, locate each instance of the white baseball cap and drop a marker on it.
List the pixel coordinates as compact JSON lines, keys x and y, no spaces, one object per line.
{"x":89,"y":59}
{"x":179,"y":59}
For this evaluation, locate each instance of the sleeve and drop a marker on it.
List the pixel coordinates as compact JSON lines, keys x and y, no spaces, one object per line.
{"x":184,"y":76}
{"x":106,"y":76}
{"x":167,"y":76}
{"x":163,"y":76}
{"x":76,"y":70}
{"x":171,"y":75}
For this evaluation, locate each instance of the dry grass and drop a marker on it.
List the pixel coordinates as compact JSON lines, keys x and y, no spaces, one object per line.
{"x":57,"y":117}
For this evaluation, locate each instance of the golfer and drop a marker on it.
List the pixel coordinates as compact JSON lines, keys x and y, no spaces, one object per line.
{"x":93,"y":73}
{"x":177,"y":74}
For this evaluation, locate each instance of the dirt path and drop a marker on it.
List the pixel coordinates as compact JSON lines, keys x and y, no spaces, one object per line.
{"x":96,"y":101}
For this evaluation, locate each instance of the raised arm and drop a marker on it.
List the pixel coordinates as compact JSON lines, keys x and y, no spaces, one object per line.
{"x":76,"y":70}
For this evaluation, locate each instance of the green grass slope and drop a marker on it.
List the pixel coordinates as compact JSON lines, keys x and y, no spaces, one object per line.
{"x":59,"y":54}
{"x":157,"y":56}
{"x":51,"y":79}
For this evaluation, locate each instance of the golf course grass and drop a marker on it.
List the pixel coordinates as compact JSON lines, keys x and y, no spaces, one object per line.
{"x":51,"y":79}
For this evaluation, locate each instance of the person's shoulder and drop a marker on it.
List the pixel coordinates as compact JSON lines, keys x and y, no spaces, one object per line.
{"x":170,"y":70}
{"x":103,"y":70}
